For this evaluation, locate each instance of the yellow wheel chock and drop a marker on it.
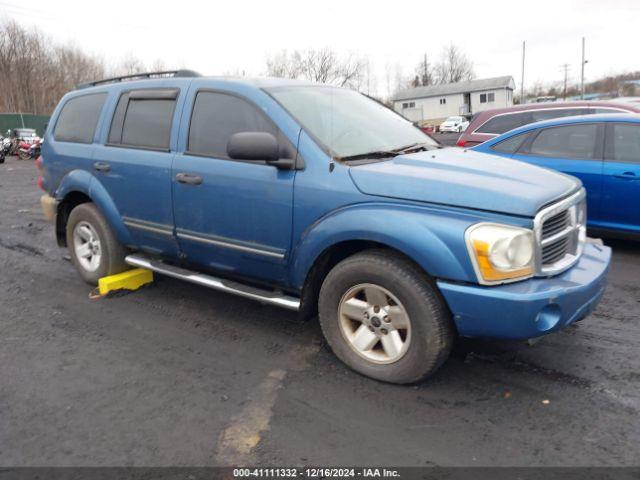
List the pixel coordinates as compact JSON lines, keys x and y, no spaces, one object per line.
{"x":129,"y":280}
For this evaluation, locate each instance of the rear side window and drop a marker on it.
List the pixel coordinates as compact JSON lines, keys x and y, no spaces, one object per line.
{"x":623,"y":144}
{"x":143,"y":119}
{"x":569,"y":141}
{"x":217,"y":116}
{"x":78,"y":119}
{"x":539,"y":115}
{"x":503,"y":123}
{"x":511,"y":145}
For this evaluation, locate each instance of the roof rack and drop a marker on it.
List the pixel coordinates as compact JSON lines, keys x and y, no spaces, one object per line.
{"x":141,"y":76}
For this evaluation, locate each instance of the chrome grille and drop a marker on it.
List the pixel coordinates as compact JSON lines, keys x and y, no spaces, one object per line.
{"x":555,"y":251}
{"x":555,"y":224}
{"x":560,"y":234}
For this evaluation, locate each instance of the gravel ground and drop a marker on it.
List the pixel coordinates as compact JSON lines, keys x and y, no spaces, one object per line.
{"x":175,"y":374}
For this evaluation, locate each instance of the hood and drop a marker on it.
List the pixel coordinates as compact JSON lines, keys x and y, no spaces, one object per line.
{"x":464,"y":178}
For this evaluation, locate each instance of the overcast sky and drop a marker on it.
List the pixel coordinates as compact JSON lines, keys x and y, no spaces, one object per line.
{"x":221,"y":37}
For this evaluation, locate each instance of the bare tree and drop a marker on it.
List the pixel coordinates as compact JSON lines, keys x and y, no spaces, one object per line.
{"x":34,"y":73}
{"x":453,"y":66}
{"x":321,"y":65}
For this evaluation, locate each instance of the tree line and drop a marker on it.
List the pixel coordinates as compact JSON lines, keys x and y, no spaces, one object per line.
{"x":35,"y":72}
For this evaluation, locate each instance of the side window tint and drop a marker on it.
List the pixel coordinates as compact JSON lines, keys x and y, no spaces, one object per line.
{"x":539,"y":115}
{"x":511,"y":145}
{"x":503,"y":123}
{"x":624,"y":145}
{"x":570,"y":141}
{"x":217,"y":116}
{"x":78,"y":119}
{"x":143,"y":119}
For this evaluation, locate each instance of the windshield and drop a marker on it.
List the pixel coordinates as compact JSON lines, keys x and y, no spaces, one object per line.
{"x":348,"y":123}
{"x":454,"y":119}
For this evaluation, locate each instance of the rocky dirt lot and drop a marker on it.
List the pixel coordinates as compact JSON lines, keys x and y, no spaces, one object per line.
{"x":176,"y":374}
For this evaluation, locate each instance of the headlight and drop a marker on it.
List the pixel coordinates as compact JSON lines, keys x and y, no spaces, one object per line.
{"x":500,"y":253}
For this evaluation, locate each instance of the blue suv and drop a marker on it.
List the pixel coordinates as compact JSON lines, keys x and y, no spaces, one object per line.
{"x":321,"y":200}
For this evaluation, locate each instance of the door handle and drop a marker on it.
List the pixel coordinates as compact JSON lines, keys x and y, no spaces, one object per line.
{"x":102,"y":166}
{"x":628,"y":176}
{"x":188,"y":178}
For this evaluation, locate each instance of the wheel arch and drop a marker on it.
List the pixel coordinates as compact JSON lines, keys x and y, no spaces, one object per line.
{"x":78,"y":187}
{"x":430,"y":250}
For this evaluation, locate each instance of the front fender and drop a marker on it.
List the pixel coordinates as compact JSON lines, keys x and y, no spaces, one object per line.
{"x":432,"y":237}
{"x":83,"y":182}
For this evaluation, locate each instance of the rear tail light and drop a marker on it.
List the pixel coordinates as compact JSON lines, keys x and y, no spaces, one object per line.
{"x":461,"y":142}
{"x":40,"y":168}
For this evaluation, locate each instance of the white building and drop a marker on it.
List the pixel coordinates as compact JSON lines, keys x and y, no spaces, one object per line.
{"x":434,"y":103}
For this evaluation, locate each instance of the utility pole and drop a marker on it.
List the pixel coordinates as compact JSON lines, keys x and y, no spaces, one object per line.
{"x":426,"y":80}
{"x":565,"y":66}
{"x":522,"y":78}
{"x":584,"y":62}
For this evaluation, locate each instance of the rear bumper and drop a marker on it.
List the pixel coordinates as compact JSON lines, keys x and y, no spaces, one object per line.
{"x":533,"y":307}
{"x":49,"y":207}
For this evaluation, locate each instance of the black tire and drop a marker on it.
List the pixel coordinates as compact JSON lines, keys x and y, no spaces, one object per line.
{"x":431,"y":324}
{"x":112,"y":252}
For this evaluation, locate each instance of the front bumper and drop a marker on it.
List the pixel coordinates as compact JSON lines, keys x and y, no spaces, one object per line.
{"x":532,"y":307}
{"x":449,"y":129}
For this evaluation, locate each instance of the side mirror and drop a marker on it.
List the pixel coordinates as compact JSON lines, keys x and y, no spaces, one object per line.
{"x":257,"y":146}
{"x":253,"y":146}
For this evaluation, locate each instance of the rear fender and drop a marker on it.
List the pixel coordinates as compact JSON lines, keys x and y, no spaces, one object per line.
{"x":83,"y":182}
{"x":433,"y":238}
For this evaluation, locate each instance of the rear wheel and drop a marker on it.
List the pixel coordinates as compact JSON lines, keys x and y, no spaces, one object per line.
{"x":94,"y":248}
{"x":383,"y":317}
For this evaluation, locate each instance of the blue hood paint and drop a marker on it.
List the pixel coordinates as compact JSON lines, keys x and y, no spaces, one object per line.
{"x":467,"y":179}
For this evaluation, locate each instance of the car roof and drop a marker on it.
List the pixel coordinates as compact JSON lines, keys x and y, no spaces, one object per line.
{"x":554,"y":122}
{"x":552,"y":105}
{"x":257,"y":82}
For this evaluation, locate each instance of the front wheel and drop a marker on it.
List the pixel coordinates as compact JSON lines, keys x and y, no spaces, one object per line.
{"x":22,"y":155}
{"x":383,"y":317}
{"x":94,"y":248}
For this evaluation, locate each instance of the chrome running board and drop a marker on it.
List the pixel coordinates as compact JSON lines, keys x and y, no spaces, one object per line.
{"x":264,"y":296}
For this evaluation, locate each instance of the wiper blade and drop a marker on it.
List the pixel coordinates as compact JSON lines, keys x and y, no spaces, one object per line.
{"x":414,"y":147}
{"x":374,"y":154}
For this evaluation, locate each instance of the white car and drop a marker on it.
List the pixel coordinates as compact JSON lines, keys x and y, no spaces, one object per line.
{"x":454,"y":124}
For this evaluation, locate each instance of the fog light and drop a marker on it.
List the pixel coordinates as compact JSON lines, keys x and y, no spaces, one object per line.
{"x":548,"y":317}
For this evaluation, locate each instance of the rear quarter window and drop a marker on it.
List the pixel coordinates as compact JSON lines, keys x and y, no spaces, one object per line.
{"x":511,"y":144}
{"x":78,"y":118}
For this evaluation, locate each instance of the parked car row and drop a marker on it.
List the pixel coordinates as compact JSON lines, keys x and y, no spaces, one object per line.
{"x":491,"y":123}
{"x":603,"y":151}
{"x":319,"y":199}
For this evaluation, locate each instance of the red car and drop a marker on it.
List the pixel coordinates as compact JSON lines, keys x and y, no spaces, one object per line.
{"x":491,"y":123}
